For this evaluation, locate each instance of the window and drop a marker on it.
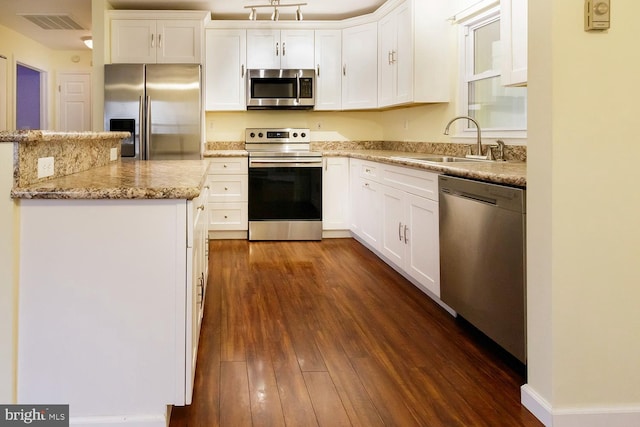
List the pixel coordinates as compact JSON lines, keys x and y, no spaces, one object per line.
{"x":500,"y":110}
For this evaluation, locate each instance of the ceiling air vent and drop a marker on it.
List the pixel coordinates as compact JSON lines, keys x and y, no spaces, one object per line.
{"x":53,"y":21}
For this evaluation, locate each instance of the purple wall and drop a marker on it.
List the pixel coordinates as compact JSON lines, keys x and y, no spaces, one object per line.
{"x":27,"y":98}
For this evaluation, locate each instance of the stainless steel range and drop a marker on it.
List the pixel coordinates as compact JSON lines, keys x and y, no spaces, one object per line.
{"x":285,"y":185}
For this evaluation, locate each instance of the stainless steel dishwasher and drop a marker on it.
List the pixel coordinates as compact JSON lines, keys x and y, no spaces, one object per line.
{"x":482,"y":258}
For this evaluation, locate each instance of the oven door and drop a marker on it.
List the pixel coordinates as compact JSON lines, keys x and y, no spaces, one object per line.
{"x":285,"y":199}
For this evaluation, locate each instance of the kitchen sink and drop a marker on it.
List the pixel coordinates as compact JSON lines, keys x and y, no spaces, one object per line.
{"x":438,"y":159}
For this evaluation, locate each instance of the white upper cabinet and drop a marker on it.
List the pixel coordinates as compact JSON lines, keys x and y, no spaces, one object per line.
{"x":413,"y":61}
{"x":225,"y":70}
{"x":328,"y":55}
{"x":143,"y":38}
{"x":359,"y":67}
{"x":280,"y":49}
{"x":513,"y":37}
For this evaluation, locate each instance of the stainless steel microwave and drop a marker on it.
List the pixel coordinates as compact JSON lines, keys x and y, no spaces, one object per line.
{"x":280,"y":89}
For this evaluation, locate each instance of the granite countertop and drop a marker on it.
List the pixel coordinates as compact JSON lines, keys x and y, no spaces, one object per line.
{"x":125,"y":179}
{"x":48,"y":135}
{"x":509,"y":173}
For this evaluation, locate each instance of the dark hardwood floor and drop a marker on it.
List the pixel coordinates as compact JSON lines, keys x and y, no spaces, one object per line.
{"x":324,"y":333}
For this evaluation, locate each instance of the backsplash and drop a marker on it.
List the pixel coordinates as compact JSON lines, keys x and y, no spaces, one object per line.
{"x":511,"y":152}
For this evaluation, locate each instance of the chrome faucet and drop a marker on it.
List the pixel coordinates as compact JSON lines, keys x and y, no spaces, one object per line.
{"x":446,"y":132}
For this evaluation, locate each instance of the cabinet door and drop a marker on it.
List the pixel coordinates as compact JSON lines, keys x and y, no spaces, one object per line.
{"x":263,"y":49}
{"x":422,"y":259}
{"x":393,"y":225}
{"x":335,"y":196}
{"x":328,"y":55}
{"x":359,"y":67}
{"x":297,"y":49}
{"x":403,"y":58}
{"x":179,"y":41}
{"x":370,"y":210}
{"x":225,"y":70}
{"x":513,"y":39}
{"x":355,"y":207}
{"x":133,"y":41}
{"x":396,"y":57}
{"x":387,"y":50}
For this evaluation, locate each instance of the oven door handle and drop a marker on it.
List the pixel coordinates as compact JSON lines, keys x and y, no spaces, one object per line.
{"x":279,"y":163}
{"x":298,"y":87}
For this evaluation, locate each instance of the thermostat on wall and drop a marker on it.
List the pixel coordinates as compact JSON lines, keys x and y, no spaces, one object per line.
{"x":596,"y":15}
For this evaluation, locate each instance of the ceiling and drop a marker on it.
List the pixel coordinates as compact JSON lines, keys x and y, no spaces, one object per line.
{"x":11,"y":12}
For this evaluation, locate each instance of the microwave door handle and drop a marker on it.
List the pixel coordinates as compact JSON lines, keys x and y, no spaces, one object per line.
{"x":298,"y":88}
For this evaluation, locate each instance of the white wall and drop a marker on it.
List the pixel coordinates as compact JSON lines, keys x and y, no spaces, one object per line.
{"x":584,"y":209}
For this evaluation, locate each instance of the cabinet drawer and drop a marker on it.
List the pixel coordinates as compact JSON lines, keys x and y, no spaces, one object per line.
{"x":228,"y":188}
{"x":413,"y":181}
{"x":229,"y":165}
{"x":228,"y":216}
{"x":369,"y":170}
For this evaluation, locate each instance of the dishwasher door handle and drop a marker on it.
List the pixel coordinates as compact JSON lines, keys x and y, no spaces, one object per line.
{"x":469,"y":196}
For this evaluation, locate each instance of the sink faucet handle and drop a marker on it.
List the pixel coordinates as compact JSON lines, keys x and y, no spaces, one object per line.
{"x":501,"y":146}
{"x":469,"y":152}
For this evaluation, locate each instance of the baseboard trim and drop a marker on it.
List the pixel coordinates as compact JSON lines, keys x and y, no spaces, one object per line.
{"x":125,"y":420}
{"x":538,"y":406}
{"x":578,"y":417}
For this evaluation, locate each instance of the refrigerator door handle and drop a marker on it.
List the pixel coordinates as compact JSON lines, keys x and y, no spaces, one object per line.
{"x":147,"y":131}
{"x":141,"y":128}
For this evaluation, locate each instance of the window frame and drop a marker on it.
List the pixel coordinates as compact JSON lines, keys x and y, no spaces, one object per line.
{"x":467,"y":25}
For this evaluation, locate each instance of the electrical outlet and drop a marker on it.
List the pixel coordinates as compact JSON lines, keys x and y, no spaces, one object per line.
{"x":45,"y":167}
{"x":318,"y":125}
{"x":113,"y":154}
{"x":406,"y":125}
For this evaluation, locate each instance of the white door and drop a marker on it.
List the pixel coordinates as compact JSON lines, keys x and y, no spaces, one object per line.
{"x":3,"y":93}
{"x":75,"y":102}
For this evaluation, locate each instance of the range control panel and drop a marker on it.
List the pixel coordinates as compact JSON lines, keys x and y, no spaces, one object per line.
{"x":277,"y":135}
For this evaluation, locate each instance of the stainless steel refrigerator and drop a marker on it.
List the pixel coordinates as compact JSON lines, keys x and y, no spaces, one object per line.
{"x":160,"y":104}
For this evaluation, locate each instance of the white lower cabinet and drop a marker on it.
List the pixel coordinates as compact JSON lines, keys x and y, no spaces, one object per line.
{"x":394,"y":211}
{"x":111,"y":293}
{"x":335,"y":196}
{"x":228,"y":181}
{"x":366,"y":203}
{"x":410,"y":236}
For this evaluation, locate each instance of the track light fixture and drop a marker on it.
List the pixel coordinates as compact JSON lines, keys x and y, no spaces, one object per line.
{"x":276,"y":5}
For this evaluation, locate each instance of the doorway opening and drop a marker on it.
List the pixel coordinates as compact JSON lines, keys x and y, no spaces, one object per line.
{"x":30,"y":90}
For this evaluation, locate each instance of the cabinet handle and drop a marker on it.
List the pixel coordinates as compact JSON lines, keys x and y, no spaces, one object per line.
{"x":206,"y":187}
{"x":366,"y":184}
{"x":201,"y":207}
{"x":405,"y":233}
{"x":224,"y":166}
{"x":344,"y":70}
{"x":326,"y":162}
{"x":225,"y":217}
{"x":242,"y":71}
{"x":390,"y":58}
{"x":153,"y":40}
{"x":318,"y":70}
{"x":400,"y":231}
{"x":277,"y":50}
{"x":226,"y":189}
{"x":393,"y":56}
{"x":284,"y":52}
{"x":160,"y":40}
